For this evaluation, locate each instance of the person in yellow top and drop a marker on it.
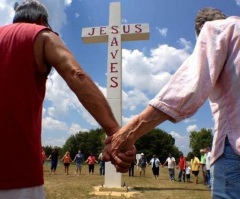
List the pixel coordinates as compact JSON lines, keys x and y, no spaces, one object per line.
{"x":66,"y":161}
{"x":195,"y":164}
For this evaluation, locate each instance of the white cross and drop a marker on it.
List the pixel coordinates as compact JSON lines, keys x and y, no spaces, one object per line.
{"x":114,"y":34}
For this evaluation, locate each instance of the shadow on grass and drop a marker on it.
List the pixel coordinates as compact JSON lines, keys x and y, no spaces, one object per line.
{"x":165,"y":189}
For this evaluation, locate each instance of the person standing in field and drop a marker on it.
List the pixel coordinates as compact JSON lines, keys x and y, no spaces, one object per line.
{"x":208,"y":160}
{"x":155,"y":163}
{"x":203,"y":164}
{"x":188,"y":172}
{"x":54,"y":160}
{"x":171,"y":162}
{"x":131,"y":168}
{"x":44,"y":157}
{"x":66,"y":161}
{"x":195,"y":165}
{"x":142,"y":163}
{"x":79,"y":161}
{"x":182,"y":168}
{"x":101,"y":164}
{"x":91,"y":160}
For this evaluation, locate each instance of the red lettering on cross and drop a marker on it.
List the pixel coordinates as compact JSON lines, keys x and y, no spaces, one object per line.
{"x":113,"y":68}
{"x":114,"y":30}
{"x":114,"y":55}
{"x":114,"y":42}
{"x":114,"y":81}
{"x":139,"y":28}
{"x":103,"y":30}
{"x":126,"y":28}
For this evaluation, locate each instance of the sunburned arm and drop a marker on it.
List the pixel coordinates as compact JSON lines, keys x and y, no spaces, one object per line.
{"x":50,"y":49}
{"x":140,"y":125}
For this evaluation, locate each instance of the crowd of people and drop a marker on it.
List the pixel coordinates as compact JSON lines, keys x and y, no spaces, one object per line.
{"x":78,"y":160}
{"x":185,"y":168}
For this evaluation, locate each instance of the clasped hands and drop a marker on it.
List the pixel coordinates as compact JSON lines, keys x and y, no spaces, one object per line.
{"x":120,"y":150}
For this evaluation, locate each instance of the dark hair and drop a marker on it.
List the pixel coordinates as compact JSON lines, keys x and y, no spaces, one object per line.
{"x":30,"y":11}
{"x":207,"y":14}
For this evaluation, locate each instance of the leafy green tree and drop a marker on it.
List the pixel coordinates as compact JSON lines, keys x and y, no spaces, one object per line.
{"x":87,"y":142}
{"x":157,"y":142}
{"x":200,"y":140}
{"x":48,"y":150}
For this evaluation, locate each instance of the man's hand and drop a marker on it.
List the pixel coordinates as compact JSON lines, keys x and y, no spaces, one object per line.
{"x":119,"y":156}
{"x":120,"y":149}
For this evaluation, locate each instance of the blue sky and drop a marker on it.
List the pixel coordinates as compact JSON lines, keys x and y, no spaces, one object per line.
{"x":147,"y":65}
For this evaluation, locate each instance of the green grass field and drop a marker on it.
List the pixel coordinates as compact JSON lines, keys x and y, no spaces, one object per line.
{"x":61,"y":186}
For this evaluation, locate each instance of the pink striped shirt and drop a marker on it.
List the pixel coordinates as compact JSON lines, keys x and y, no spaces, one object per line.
{"x":211,"y":72}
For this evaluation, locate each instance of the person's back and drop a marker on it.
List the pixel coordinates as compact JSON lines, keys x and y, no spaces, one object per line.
{"x":23,"y":90}
{"x":79,"y":158}
{"x":142,"y":162}
{"x":171,"y":162}
{"x":224,"y":99}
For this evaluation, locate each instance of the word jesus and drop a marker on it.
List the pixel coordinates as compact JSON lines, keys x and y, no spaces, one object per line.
{"x":125,"y":29}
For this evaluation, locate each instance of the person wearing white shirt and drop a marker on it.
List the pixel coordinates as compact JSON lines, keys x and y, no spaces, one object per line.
{"x":208,"y":159}
{"x":155,"y":162}
{"x":171,"y":165}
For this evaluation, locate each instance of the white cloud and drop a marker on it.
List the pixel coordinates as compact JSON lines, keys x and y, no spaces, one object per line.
{"x":182,"y":142}
{"x":75,"y":128}
{"x":192,"y":128}
{"x":62,"y":100}
{"x":133,"y":98}
{"x":77,"y":14}
{"x":56,"y":10}
{"x":124,"y":21}
{"x":189,"y":120}
{"x":238,"y":2}
{"x":187,"y":45}
{"x":125,"y":120}
{"x":162,"y":31}
{"x":54,"y":141}
{"x":68,"y":2}
{"x":6,"y":12}
{"x":61,"y":97}
{"x":151,"y":73}
{"x":51,"y":125}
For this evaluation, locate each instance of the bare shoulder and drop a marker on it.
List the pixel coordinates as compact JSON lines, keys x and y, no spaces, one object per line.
{"x":50,"y":49}
{"x":39,"y":45}
{"x":46,"y":36}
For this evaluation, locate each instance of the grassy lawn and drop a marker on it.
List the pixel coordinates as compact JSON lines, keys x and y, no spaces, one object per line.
{"x":61,"y":186}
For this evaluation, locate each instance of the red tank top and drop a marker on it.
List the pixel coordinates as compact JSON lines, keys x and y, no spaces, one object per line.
{"x":22,"y":90}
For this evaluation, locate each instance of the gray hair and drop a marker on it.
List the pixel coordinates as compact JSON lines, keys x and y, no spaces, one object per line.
{"x":29,"y":12}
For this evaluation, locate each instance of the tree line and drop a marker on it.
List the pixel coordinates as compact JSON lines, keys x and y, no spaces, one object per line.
{"x":156,"y":142}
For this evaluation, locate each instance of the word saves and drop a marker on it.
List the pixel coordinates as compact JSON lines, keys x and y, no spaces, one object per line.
{"x":113,"y":33}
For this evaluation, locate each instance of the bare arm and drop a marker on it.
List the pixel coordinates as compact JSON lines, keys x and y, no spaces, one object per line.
{"x":140,"y":125}
{"x":74,"y":159}
{"x":51,"y":50}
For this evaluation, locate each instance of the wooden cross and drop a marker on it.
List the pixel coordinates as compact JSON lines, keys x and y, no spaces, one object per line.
{"x":114,"y":34}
